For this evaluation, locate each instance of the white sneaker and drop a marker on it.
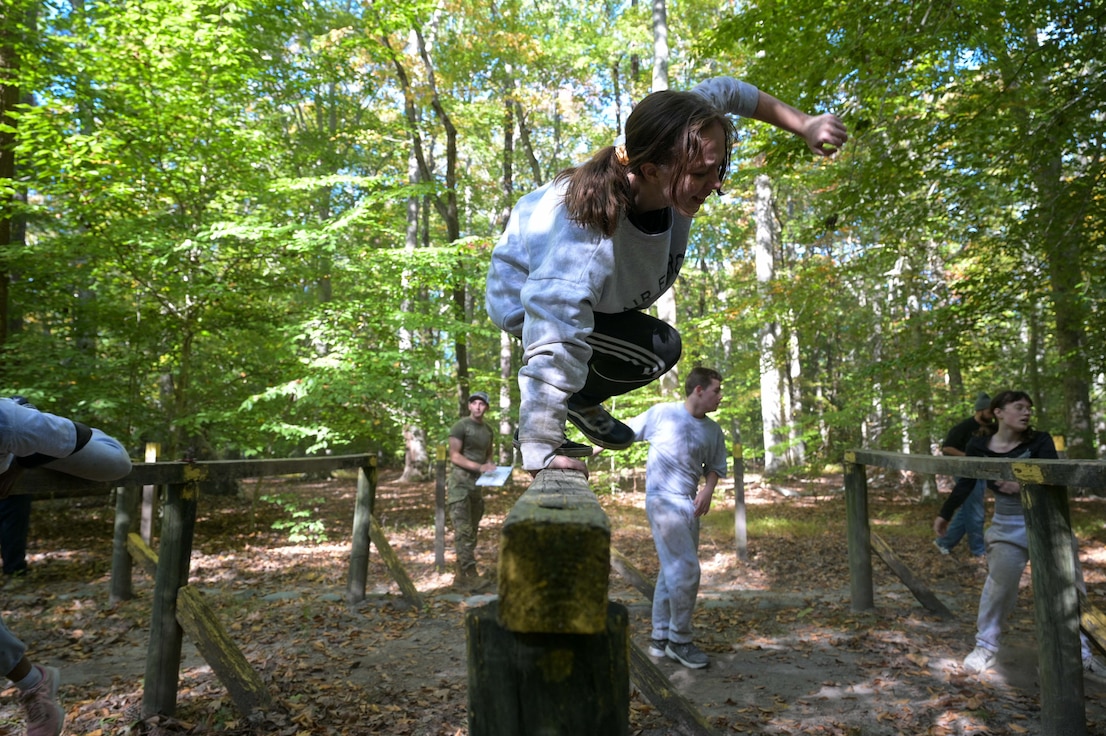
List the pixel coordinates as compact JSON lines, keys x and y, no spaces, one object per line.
{"x":980,"y":660}
{"x":1094,"y":669}
{"x":941,"y":548}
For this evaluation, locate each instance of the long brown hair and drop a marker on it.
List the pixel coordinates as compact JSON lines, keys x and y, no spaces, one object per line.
{"x":665,"y":129}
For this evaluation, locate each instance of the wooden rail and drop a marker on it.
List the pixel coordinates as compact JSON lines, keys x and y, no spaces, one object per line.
{"x":179,"y":608}
{"x":1051,"y":554}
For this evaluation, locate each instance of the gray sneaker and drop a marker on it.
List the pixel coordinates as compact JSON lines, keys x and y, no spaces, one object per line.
{"x":657,"y":646}
{"x":687,"y":654}
{"x":45,"y":716}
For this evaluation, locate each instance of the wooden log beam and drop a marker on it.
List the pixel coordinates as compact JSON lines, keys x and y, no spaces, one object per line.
{"x":554,"y":558}
{"x":631,"y":574}
{"x":395,"y":567}
{"x":217,"y":648}
{"x":664,"y":697}
{"x":142,"y":553}
{"x":1092,"y":621}
{"x":924,"y":595}
{"x":61,"y":485}
{"x":1082,"y":473}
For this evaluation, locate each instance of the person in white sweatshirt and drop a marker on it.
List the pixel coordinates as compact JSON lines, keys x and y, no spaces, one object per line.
{"x":583,"y":256}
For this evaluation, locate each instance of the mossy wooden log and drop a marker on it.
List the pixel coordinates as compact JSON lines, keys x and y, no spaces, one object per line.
{"x":1056,"y":604}
{"x":547,"y":684}
{"x":241,"y":681}
{"x":142,"y":553}
{"x":924,"y":595}
{"x":554,"y":558}
{"x":660,"y":693}
{"x":622,"y":565}
{"x":395,"y":567}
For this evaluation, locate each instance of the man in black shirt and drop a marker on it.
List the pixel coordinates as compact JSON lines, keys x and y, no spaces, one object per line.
{"x":968,"y":519}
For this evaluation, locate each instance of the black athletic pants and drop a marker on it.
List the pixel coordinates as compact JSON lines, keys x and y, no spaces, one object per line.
{"x":629,"y":350}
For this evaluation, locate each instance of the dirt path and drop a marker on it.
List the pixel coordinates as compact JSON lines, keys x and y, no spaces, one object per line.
{"x":788,"y":654}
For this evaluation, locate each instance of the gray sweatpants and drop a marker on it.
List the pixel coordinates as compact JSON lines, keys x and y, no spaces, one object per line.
{"x":1007,"y":556}
{"x":676,"y":536}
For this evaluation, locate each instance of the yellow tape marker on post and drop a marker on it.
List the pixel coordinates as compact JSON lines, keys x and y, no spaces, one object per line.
{"x":850,"y":457}
{"x":1027,"y":473}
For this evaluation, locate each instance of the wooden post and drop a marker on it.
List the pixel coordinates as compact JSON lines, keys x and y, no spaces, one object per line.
{"x":439,"y":512}
{"x":178,"y":522}
{"x":149,"y":498}
{"x":362,"y":523}
{"x":1056,"y":602}
{"x":554,"y":558}
{"x":550,"y":684}
{"x":739,"y":527}
{"x":126,"y":507}
{"x":860,"y":543}
{"x":551,"y":656}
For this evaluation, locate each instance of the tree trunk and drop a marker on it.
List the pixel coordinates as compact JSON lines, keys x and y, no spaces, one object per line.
{"x":13,"y":17}
{"x":771,"y":376}
{"x":666,"y":305}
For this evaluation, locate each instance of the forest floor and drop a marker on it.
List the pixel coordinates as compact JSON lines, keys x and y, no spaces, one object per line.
{"x":788,"y":655}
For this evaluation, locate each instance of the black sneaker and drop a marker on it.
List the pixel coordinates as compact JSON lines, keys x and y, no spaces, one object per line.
{"x":687,"y":654}
{"x":600,"y":427}
{"x":657,"y":647}
{"x":567,"y":448}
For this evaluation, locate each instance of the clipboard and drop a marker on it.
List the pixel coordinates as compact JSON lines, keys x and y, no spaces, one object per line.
{"x":495,"y":477}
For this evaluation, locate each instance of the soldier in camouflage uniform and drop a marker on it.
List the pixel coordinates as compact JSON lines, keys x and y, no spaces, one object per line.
{"x":470,"y":451}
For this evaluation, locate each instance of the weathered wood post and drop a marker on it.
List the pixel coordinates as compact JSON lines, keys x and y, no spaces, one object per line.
{"x":122,"y":565}
{"x":551,"y":656}
{"x":439,"y":512}
{"x":859,"y":534}
{"x":178,"y":522}
{"x":362,"y":524}
{"x":149,"y":498}
{"x":1056,"y":603}
{"x":739,"y":526}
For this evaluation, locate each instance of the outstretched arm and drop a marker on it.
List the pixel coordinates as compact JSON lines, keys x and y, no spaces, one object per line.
{"x":824,"y":134}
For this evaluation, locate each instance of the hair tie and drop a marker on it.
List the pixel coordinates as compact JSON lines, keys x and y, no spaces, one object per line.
{"x":620,"y":154}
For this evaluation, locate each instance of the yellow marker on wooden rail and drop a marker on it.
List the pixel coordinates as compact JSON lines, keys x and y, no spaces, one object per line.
{"x":1027,"y":473}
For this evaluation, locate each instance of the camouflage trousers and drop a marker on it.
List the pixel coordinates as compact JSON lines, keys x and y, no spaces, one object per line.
{"x":466,"y":515}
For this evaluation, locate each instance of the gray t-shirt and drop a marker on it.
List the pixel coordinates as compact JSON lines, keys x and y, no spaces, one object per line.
{"x":682,"y":448}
